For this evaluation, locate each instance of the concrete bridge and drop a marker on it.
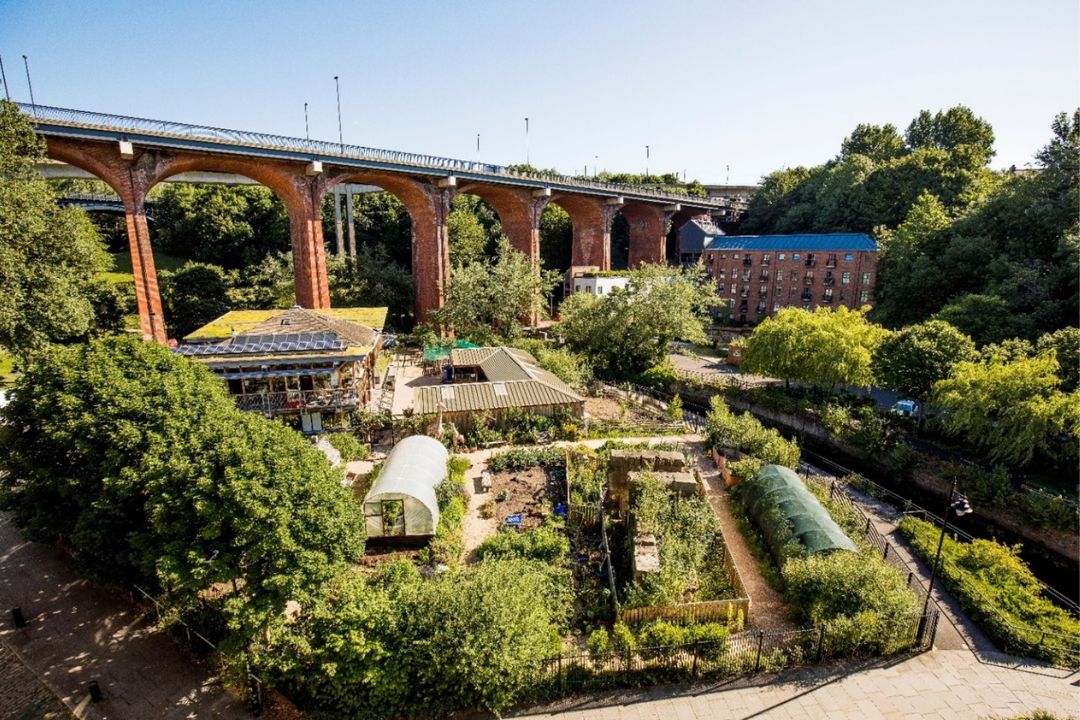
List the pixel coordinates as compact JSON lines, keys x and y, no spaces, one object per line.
{"x":100,"y":202}
{"x":132,"y":155}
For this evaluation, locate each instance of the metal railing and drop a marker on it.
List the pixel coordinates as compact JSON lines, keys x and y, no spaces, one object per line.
{"x":741,"y":653}
{"x":326,"y":149}
{"x":298,"y":400}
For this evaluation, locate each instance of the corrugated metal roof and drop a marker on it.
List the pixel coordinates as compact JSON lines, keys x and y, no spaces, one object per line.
{"x":473,"y":397}
{"x":471,"y":356}
{"x":854,"y":242}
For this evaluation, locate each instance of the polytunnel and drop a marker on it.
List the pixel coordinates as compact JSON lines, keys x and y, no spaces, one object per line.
{"x":402,"y":502}
{"x":776,"y":486}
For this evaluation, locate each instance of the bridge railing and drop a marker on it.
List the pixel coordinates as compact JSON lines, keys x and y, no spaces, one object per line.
{"x":322,"y":148}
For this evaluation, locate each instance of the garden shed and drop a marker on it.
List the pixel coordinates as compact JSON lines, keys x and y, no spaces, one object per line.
{"x":781,"y":506}
{"x":402,"y":502}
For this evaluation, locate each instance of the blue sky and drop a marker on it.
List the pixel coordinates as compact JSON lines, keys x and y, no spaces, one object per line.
{"x":755,"y":85}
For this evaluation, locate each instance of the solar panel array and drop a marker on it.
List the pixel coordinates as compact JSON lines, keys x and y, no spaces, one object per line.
{"x":249,"y":344}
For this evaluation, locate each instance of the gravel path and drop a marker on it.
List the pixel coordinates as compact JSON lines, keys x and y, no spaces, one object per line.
{"x":767,"y":607}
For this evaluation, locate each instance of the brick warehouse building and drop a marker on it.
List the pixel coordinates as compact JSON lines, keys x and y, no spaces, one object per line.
{"x":760,"y":274}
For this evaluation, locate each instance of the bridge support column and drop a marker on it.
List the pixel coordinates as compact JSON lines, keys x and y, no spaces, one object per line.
{"x":648,"y":233}
{"x":590,"y":220}
{"x":147,"y":296}
{"x":431,"y":254}
{"x":312,"y":286}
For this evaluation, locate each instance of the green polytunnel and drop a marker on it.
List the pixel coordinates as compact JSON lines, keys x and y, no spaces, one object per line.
{"x":779,"y":487}
{"x":402,"y":501}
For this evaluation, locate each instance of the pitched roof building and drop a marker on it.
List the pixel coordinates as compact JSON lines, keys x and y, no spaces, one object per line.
{"x":312,"y":366}
{"x":493,"y":380}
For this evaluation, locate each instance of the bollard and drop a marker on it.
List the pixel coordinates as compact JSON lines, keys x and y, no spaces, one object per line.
{"x":17,"y":617}
{"x":95,"y":691}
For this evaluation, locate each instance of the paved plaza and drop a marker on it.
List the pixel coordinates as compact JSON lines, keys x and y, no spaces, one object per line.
{"x":77,"y":633}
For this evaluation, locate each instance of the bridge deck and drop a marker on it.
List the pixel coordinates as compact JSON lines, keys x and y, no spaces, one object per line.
{"x":68,"y":122}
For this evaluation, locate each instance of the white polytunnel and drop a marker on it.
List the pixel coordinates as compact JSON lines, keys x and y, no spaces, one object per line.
{"x":402,"y":502}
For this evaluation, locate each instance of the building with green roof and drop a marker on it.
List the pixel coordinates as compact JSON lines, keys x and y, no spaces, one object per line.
{"x":312,"y":367}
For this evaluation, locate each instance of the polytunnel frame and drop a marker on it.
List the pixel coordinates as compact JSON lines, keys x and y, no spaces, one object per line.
{"x":410,"y":474}
{"x":810,"y":523}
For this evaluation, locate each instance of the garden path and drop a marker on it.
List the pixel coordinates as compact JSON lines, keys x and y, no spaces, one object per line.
{"x":767,"y":607}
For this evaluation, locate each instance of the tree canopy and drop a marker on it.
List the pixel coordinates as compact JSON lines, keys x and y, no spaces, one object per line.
{"x":824,"y":347}
{"x":138,"y":460}
{"x":49,"y":256}
{"x":494,"y":298}
{"x":912,"y":359}
{"x":630,"y":330}
{"x":1012,"y":408}
{"x":952,"y":232}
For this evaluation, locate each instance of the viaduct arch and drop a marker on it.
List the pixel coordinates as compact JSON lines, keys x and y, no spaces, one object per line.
{"x":132,"y":155}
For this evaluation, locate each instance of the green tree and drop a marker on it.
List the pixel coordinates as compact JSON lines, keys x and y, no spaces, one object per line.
{"x":1011,"y":409}
{"x":401,"y":645}
{"x":957,"y":131}
{"x":986,"y":318}
{"x":630,"y":330}
{"x":266,"y":285}
{"x":675,"y":409}
{"x":1065,"y":344}
{"x":49,"y":256}
{"x":372,"y":279}
{"x":192,"y":296}
{"x":228,"y":225}
{"x":911,"y":360}
{"x":137,"y":459}
{"x":880,"y":143}
{"x":492,"y":299}
{"x":474,"y":230}
{"x":825,"y":347}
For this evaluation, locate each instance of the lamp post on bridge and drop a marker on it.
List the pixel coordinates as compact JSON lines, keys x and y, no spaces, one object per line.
{"x":961,"y":507}
{"x":26,"y":64}
{"x":646,"y":163}
{"x":341,"y":137}
{"x":3,"y":78}
{"x":596,"y":166}
{"x":527,"y":161}
{"x":307,"y":129}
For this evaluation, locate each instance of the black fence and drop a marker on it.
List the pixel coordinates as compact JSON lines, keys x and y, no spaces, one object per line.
{"x":742,"y":653}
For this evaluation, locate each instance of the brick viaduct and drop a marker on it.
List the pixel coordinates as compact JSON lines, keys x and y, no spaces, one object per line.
{"x":132,"y":163}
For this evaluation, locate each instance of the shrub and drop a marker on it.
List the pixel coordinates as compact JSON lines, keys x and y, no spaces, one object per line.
{"x":599,"y":644}
{"x":448,"y":545}
{"x":1001,"y":593}
{"x":659,"y":376}
{"x":521,"y":458}
{"x":744,"y":432}
{"x":545,"y":543}
{"x":349,"y":447}
{"x":398,"y":645}
{"x":864,"y":600}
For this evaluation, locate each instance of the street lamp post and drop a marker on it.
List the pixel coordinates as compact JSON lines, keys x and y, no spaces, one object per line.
{"x":646,"y":163}
{"x":340,"y":135}
{"x":307,"y":128}
{"x":527,"y":161}
{"x":961,"y":507}
{"x":26,"y":64}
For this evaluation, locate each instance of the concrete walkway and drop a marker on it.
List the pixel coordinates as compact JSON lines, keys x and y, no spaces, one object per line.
{"x":77,"y":633}
{"x":940,"y":685}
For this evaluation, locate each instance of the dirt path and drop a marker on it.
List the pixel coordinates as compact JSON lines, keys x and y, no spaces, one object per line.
{"x":767,"y":606}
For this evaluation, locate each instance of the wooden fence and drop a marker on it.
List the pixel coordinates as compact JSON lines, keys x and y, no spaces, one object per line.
{"x":694,"y":612}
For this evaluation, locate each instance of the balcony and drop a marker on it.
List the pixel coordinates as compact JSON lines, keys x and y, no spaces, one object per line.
{"x":296,"y":401}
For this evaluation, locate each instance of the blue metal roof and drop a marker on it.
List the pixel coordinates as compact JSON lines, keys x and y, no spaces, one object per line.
{"x":854,"y":242}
